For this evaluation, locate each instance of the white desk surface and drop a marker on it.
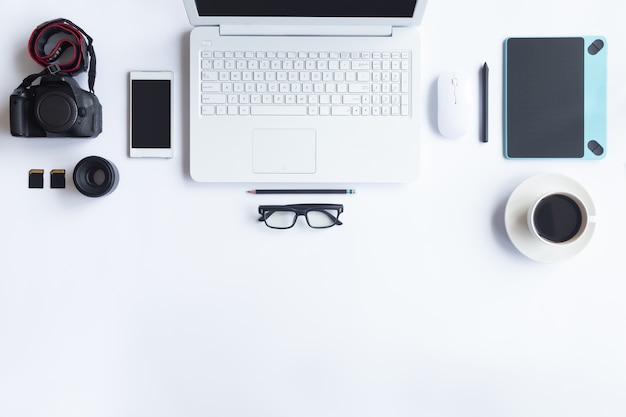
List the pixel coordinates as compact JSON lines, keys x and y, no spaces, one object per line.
{"x":168,"y":298}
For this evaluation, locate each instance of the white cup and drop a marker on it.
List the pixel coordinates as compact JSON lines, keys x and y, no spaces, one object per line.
{"x":559,"y":218}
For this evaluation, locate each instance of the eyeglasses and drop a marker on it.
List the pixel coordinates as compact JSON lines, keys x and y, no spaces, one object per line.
{"x":318,"y":216}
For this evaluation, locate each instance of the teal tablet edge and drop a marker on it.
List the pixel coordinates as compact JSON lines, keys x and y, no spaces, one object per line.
{"x":505,"y":101}
{"x":595,"y":98}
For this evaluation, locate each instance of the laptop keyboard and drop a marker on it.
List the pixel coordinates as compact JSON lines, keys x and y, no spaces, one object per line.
{"x":292,"y":83}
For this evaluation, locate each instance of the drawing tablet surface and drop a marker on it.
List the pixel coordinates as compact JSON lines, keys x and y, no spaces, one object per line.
{"x":555,"y":97}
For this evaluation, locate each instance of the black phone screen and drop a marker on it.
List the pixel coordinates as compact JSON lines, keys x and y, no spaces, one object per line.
{"x":151,"y":114}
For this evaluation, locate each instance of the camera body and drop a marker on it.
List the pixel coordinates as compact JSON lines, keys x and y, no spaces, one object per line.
{"x":56,"y":107}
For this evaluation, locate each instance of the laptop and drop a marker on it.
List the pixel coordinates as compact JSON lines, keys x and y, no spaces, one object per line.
{"x":304,"y":91}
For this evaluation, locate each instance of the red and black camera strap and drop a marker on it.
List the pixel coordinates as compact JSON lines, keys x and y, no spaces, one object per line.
{"x":69,"y":37}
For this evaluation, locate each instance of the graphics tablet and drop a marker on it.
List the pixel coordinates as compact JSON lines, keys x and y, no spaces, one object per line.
{"x":555,"y":97}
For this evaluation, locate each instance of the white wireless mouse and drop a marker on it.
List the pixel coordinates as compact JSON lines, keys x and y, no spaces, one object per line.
{"x":452,"y":105}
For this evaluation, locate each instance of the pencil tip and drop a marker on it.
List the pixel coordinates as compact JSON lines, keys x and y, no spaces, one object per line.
{"x":251,"y":191}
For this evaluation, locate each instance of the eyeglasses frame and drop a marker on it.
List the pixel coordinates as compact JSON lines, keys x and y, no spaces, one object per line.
{"x":301,"y":210}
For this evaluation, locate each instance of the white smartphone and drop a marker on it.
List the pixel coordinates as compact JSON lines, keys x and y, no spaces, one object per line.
{"x":151,"y":113}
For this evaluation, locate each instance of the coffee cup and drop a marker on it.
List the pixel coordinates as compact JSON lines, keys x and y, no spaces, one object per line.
{"x":559,"y":218}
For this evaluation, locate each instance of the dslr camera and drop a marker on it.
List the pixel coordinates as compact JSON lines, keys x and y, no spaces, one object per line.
{"x":56,"y":107}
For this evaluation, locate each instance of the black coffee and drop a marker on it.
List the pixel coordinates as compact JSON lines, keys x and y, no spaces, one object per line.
{"x":557,"y":218}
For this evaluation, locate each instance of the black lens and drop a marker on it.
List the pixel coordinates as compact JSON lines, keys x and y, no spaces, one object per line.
{"x":95,"y":176}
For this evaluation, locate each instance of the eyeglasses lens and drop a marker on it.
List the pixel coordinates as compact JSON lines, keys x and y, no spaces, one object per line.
{"x":280,"y":219}
{"x":321,"y":218}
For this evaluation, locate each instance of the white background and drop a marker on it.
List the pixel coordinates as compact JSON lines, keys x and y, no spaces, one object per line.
{"x":168,"y":298}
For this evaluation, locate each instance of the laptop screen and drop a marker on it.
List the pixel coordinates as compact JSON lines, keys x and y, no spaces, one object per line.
{"x":317,"y":8}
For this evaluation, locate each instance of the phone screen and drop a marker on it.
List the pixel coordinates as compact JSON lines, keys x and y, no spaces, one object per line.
{"x":151,"y":114}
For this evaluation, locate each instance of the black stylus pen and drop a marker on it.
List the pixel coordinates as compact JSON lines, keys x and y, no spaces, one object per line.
{"x":485,"y":103}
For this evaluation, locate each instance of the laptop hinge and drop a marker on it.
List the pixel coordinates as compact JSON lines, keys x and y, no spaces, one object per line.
{"x":305,"y":30}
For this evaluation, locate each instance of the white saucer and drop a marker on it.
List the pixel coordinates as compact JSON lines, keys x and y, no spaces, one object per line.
{"x":515,"y":217}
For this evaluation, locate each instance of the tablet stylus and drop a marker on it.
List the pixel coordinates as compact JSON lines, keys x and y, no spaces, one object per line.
{"x":485,"y":103}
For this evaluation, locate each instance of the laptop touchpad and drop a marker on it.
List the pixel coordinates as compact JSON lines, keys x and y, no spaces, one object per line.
{"x":284,"y":151}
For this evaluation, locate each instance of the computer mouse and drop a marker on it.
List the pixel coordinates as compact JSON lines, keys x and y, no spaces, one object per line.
{"x":452,"y":104}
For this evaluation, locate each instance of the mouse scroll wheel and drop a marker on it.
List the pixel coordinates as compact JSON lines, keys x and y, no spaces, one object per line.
{"x":455,"y":83}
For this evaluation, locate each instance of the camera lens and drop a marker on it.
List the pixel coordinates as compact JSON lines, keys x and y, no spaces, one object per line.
{"x":95,"y":176}
{"x":56,"y":111}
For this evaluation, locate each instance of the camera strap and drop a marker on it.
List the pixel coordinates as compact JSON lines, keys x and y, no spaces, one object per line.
{"x":69,"y":37}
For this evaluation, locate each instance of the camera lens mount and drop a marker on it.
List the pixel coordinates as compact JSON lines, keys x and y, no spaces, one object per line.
{"x":56,"y":111}
{"x":94,"y":176}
